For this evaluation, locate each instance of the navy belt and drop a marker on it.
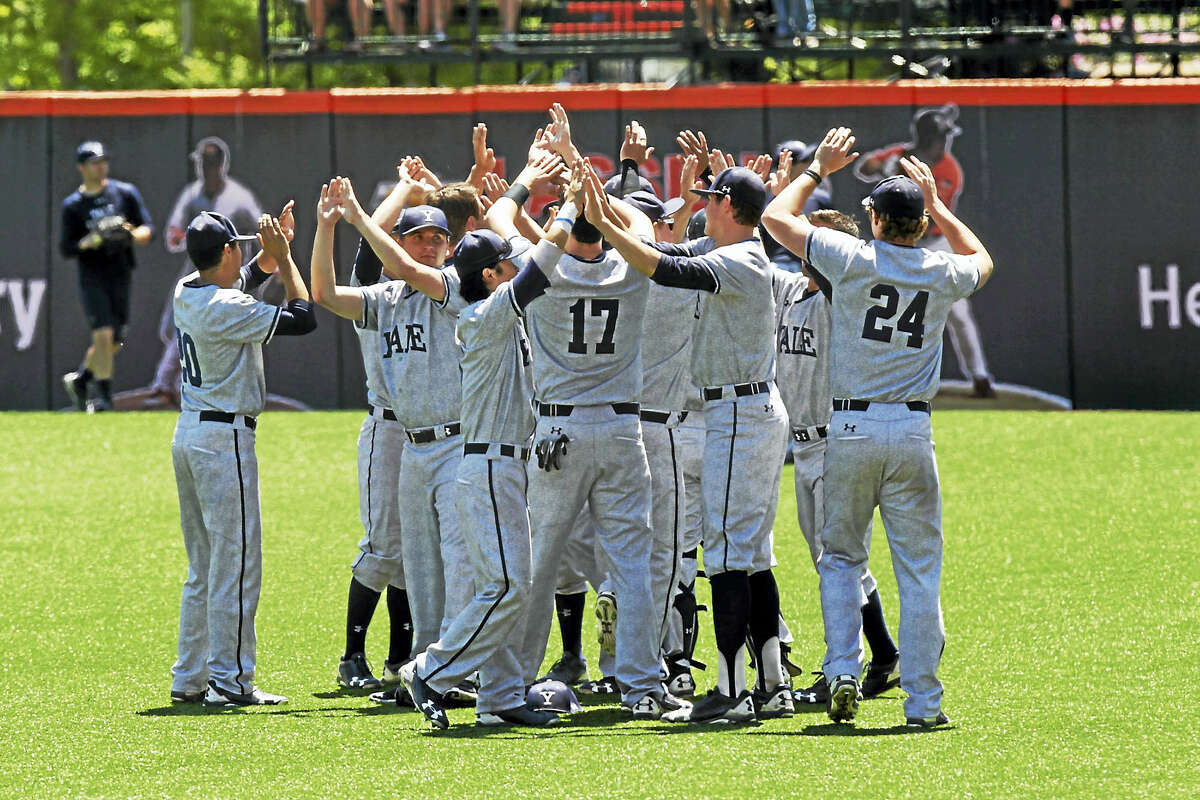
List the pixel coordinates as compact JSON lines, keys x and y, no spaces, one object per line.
{"x":506,"y":450}
{"x":660,"y":417}
{"x":807,"y":434}
{"x":565,"y":409}
{"x":386,"y":413}
{"x":842,"y":404}
{"x":739,"y":389}
{"x":427,"y":435}
{"x":227,"y":418}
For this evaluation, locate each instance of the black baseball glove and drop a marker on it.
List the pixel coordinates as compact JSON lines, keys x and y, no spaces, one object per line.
{"x":551,"y":450}
{"x":112,"y":230}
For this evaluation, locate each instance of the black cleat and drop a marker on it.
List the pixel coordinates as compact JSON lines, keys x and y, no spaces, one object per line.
{"x":220,"y":698}
{"x":521,"y":715}
{"x":606,"y":685}
{"x":844,"y":697}
{"x":880,"y":677}
{"x":76,"y":387}
{"x":570,"y":669}
{"x":179,"y":698}
{"x":427,"y":701}
{"x":927,"y":722}
{"x":815,"y":695}
{"x":355,"y":673}
{"x":774,"y":704}
{"x":716,"y":708}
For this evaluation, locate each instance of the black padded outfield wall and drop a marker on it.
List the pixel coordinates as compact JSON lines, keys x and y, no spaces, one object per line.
{"x":1076,"y":190}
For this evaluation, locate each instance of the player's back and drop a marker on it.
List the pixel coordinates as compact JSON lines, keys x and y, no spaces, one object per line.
{"x":889,"y":308}
{"x":667,"y":347}
{"x":220,"y":334}
{"x":802,"y":350}
{"x":586,"y":331}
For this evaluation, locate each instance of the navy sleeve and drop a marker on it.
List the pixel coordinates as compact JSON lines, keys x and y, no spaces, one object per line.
{"x":296,"y":319}
{"x":672,"y":249}
{"x":137,"y":214}
{"x":685,"y":273}
{"x":73,"y":229}
{"x":367,"y":266}
{"x":252,"y":276}
{"x":529,"y":285}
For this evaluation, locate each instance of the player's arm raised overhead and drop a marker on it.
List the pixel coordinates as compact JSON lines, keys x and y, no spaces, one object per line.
{"x":345,"y":301}
{"x":410,"y":190}
{"x":502,"y":217}
{"x":296,"y":318}
{"x":427,"y":280}
{"x":960,"y":238}
{"x":784,"y":216}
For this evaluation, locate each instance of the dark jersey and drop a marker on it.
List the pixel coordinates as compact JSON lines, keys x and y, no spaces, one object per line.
{"x":81,"y":212}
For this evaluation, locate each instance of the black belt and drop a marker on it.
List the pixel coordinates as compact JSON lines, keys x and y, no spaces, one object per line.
{"x":565,"y":409}
{"x":227,"y":418}
{"x":427,"y":435}
{"x":507,"y":450}
{"x":386,"y":413}
{"x":660,"y":417}
{"x":802,"y":434}
{"x":842,"y":404}
{"x":739,"y":389}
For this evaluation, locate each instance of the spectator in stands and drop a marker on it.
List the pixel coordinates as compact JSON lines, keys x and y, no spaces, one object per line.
{"x":432,"y":13}
{"x":360,"y":20}
{"x":510,"y":12}
{"x":396,"y":12}
{"x":794,"y":17}
{"x":709,"y":11}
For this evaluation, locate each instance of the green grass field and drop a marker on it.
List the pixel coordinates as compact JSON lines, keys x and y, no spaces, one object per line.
{"x":1071,"y":586}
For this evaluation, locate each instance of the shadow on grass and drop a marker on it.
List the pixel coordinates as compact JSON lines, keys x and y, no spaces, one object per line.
{"x":842,"y":729}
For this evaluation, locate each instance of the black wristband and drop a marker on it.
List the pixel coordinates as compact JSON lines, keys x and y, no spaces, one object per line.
{"x":812,"y":173}
{"x":629,"y":163}
{"x":518,"y":194}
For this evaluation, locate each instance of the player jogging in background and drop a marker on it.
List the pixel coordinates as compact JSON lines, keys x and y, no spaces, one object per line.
{"x":890,"y":302}
{"x":221,"y":331}
{"x":733,"y":359}
{"x":802,"y":374}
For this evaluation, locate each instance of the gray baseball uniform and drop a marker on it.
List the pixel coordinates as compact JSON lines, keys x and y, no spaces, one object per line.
{"x":802,"y":375}
{"x":586,"y":333}
{"x":420,"y":359}
{"x":889,"y":309}
{"x":221,"y":333}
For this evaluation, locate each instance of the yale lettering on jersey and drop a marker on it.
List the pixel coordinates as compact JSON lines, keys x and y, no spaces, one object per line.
{"x":411,"y":340}
{"x":796,"y":340}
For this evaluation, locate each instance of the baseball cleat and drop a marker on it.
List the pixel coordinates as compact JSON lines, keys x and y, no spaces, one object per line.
{"x":815,"y":695}
{"x":606,"y":685}
{"x":880,"y":677}
{"x":520,"y":715}
{"x":653,"y":706}
{"x":355,"y":673}
{"x":843,"y":698}
{"x":606,"y":622}
{"x":99,"y":404}
{"x":927,"y":722}
{"x":570,"y":669}
{"x":465,"y":693}
{"x":716,"y":708}
{"x":76,"y":389}
{"x":681,"y":683}
{"x":217,"y":697}
{"x":427,"y":701}
{"x":982,"y":387}
{"x":391,"y":673}
{"x":774,"y":704}
{"x":178,"y":697}
{"x":397,"y":695}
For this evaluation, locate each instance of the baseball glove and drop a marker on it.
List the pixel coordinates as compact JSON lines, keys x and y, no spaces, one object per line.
{"x":112,"y":230}
{"x":550,"y":451}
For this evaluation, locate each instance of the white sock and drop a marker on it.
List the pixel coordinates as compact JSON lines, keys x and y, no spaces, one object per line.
{"x":770,"y":668}
{"x":733,"y":685}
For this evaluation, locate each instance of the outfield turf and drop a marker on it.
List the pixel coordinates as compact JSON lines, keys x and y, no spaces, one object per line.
{"x":1070,"y":591}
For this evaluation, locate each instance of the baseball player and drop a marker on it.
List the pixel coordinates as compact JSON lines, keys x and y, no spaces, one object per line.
{"x":414,"y":321}
{"x":497,"y":423}
{"x":933,"y":131}
{"x":733,"y":358}
{"x":381,"y":441}
{"x":221,"y":332}
{"x":101,"y":222}
{"x":802,"y":374}
{"x":586,"y":338}
{"x":212,"y":190}
{"x":890,"y":302}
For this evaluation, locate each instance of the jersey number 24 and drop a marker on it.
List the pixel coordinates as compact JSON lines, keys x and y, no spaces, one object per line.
{"x":189,"y":362}
{"x":912,"y":320}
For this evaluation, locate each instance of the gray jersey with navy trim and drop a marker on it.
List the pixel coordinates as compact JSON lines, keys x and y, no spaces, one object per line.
{"x":221,"y":333}
{"x":802,"y":350}
{"x":890,"y":305}
{"x":734,"y":333}
{"x":667,"y":347}
{"x":586,"y":332}
{"x":368,"y":345}
{"x":418,"y":352}
{"x":497,"y":382}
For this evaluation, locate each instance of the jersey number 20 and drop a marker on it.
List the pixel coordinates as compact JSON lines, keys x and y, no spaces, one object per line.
{"x":189,"y":362}
{"x":609,"y":309}
{"x":912,"y":321}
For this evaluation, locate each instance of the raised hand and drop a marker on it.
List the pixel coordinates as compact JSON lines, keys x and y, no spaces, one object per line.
{"x":493,"y":187}
{"x":761,"y":166}
{"x":687,"y":180}
{"x":287,"y":220}
{"x":328,"y":209}
{"x":718,"y":161}
{"x":273,"y":240}
{"x":634,"y":145}
{"x":574,"y":193}
{"x":485,"y":157}
{"x":540,"y":145}
{"x":352,"y":211}
{"x":694,"y":144}
{"x":920,"y":172}
{"x":835,"y":151}
{"x":560,"y":140}
{"x":425,"y":174}
{"x":782,"y":176}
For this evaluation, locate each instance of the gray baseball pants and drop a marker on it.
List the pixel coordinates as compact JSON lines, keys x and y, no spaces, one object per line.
{"x":380,"y":446}
{"x":884,"y":457}
{"x":605,"y":465}
{"x":689,"y":449}
{"x":492,"y":513}
{"x":216,"y":473}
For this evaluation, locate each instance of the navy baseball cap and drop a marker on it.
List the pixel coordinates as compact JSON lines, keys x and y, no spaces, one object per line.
{"x":897,"y":196}
{"x":695,"y":226}
{"x":90,"y":151}
{"x":207,"y":236}
{"x":800,"y":150}
{"x":415,"y":218}
{"x":481,"y":249}
{"x":741,"y":185}
{"x":652,"y":207}
{"x":613,"y":185}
